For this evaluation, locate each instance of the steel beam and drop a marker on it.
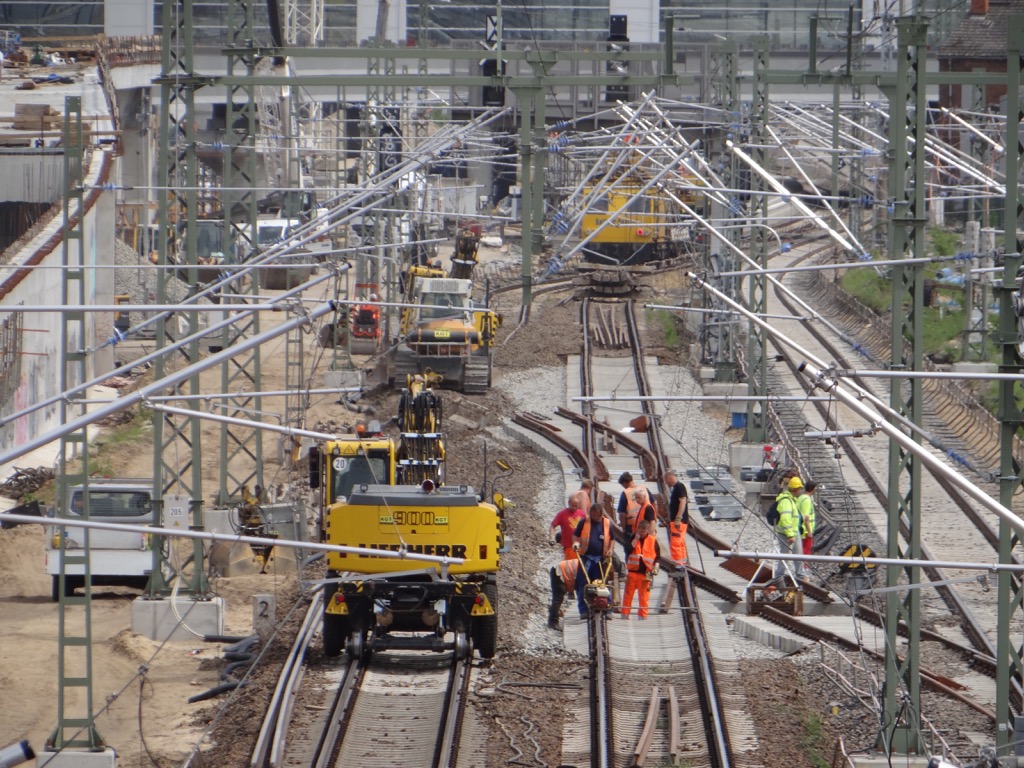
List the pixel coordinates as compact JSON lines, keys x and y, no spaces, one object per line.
{"x":757,"y":285}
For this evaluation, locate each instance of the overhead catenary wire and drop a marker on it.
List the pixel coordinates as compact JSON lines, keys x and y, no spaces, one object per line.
{"x":854,"y":399}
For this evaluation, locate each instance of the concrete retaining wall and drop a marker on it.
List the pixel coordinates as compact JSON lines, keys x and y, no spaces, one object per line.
{"x":32,"y":277}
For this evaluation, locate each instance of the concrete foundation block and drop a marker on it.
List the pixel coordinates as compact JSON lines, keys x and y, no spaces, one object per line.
{"x":73,"y":758}
{"x":975,"y":367}
{"x":343,"y":379}
{"x":768,"y":635}
{"x":725,"y":389}
{"x":159,"y":619}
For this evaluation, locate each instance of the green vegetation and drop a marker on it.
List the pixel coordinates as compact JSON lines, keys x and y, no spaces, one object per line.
{"x":869,"y":287}
{"x":668,"y":324}
{"x":944,"y":320}
{"x":813,"y":741}
{"x":942,"y":329}
{"x":943,"y":242}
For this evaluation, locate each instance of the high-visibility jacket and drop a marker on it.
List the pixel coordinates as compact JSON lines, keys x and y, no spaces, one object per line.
{"x":584,"y":537}
{"x":805,"y":506}
{"x":627,"y":506}
{"x":569,"y":570}
{"x":789,"y":517}
{"x":644,"y":555}
{"x":645,"y":512}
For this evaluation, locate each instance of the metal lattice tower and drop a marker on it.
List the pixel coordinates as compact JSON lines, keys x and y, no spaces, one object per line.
{"x":908,"y":108}
{"x":720,"y":332}
{"x":1009,"y":665}
{"x":241,"y":449}
{"x":757,"y":343}
{"x":176,"y":440}
{"x":74,"y":614}
{"x":304,"y":22}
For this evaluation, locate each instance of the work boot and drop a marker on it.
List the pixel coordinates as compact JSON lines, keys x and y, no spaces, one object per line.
{"x":554,"y":625}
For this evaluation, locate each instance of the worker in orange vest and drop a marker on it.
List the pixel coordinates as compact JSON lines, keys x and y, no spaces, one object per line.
{"x":644,"y":511}
{"x":640,"y":569}
{"x":563,"y":581}
{"x":593,"y":542}
{"x":678,"y":518}
{"x":627,"y":507}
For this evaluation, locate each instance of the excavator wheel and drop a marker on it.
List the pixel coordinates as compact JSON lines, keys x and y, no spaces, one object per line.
{"x":363,"y":346}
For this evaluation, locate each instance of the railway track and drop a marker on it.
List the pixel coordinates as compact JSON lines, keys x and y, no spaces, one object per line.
{"x":953,"y":527}
{"x":625,"y":717}
{"x":392,"y":703}
{"x":638,"y":727}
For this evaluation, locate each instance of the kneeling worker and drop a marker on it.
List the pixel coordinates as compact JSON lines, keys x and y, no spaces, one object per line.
{"x":563,"y":582}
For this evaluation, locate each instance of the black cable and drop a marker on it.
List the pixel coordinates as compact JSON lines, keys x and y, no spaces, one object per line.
{"x":143,"y":680}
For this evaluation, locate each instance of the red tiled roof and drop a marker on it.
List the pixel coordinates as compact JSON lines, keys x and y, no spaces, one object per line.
{"x":982,"y":37}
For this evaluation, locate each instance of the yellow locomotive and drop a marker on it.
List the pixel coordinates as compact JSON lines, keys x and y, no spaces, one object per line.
{"x":374,"y":603}
{"x":628,"y":224}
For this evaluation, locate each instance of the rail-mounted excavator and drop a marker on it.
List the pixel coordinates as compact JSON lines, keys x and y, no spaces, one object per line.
{"x":380,"y":498}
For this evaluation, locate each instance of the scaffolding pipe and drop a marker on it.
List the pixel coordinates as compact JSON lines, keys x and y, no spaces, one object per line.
{"x":256,"y":541}
{"x":171,"y":380}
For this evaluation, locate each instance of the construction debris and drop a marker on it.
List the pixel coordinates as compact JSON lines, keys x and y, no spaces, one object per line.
{"x":25,"y":481}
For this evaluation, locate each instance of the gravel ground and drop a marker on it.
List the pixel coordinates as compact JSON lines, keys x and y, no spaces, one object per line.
{"x":138,"y":280}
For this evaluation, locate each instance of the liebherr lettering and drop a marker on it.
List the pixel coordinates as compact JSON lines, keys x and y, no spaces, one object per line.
{"x":441,"y":550}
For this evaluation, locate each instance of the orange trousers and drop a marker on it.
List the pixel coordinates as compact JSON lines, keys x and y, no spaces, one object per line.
{"x":677,"y":542}
{"x":636,"y":582}
{"x":570,"y":553}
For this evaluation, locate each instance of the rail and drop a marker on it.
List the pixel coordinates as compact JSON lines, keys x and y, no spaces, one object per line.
{"x":272,"y":737}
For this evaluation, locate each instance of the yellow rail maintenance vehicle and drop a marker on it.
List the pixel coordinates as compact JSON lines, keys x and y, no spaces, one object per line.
{"x":367,"y":456}
{"x":376,"y":603}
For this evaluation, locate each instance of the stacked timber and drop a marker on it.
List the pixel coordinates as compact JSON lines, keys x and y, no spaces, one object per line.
{"x":36,"y":117}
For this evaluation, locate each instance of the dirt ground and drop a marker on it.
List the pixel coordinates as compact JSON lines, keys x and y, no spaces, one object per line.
{"x":141,"y":689}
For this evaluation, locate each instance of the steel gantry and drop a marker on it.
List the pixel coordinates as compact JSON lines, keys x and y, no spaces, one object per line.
{"x":718,"y":342}
{"x":176,"y":441}
{"x":1009,"y":665}
{"x":907,"y":147}
{"x":757,"y":214}
{"x":908,"y":109}
{"x":240,"y":449}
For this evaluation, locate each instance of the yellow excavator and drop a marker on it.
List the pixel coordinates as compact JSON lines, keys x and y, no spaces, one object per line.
{"x":443,"y":331}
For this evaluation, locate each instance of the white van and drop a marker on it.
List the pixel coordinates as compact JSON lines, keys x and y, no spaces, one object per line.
{"x":271,"y":231}
{"x":115,"y":558}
